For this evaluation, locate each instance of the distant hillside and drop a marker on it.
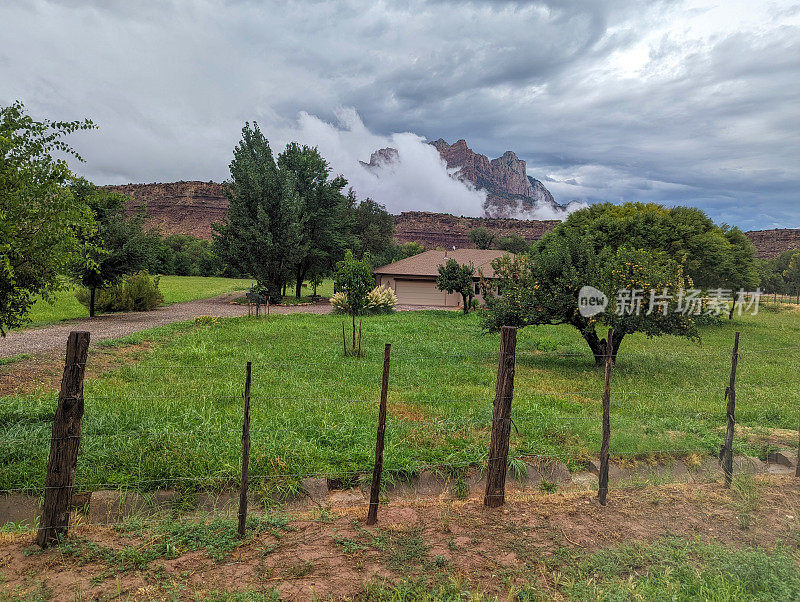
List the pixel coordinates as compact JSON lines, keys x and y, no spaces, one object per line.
{"x":178,"y":207}
{"x":444,"y":230}
{"x":191,"y":208}
{"x":771,"y":243}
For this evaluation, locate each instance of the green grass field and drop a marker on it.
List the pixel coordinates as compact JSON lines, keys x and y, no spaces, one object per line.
{"x":174,"y":418}
{"x":176,"y":289}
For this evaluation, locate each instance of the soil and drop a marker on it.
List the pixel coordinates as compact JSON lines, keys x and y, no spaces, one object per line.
{"x":332,"y":554}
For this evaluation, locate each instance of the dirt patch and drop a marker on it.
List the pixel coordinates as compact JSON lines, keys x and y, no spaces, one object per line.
{"x":333,"y":554}
{"x":43,"y":371}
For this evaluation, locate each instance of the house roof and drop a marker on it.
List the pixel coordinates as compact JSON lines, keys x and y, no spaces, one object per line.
{"x":427,"y":263}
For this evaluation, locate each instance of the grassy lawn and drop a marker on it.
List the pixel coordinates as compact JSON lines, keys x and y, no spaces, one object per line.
{"x":174,"y":419}
{"x":176,"y":289}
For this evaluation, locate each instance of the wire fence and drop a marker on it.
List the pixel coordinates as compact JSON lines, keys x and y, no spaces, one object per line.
{"x":418,"y":442}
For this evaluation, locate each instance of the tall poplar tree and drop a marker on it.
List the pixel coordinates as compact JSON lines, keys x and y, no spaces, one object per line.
{"x":260,"y":234}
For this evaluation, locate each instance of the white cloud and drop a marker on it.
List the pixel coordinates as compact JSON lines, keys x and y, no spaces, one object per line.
{"x":686,"y":101}
{"x":418,"y":180}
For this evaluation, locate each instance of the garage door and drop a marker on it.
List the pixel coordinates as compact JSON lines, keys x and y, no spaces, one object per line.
{"x":419,"y":292}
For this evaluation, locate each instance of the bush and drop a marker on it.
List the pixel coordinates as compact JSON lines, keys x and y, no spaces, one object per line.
{"x":138,"y":292}
{"x":141,"y":292}
{"x":380,"y":300}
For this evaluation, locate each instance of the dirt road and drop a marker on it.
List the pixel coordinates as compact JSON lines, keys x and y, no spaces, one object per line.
{"x":112,"y":326}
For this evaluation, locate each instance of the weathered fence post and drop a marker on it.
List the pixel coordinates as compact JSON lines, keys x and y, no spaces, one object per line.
{"x":797,"y":468}
{"x":375,"y":488}
{"x":64,"y":443}
{"x":602,"y":490}
{"x":730,"y":395}
{"x":501,"y":421}
{"x":245,"y":453}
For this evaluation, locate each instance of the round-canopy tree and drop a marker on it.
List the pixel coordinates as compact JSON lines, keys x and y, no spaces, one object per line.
{"x":619,"y":248}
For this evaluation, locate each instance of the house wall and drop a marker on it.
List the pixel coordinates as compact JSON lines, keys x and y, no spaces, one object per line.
{"x":410,"y":290}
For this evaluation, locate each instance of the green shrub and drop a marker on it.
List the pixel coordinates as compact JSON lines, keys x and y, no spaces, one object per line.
{"x":138,"y":292}
{"x":141,"y":292}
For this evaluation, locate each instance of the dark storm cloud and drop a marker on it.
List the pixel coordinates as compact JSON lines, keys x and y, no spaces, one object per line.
{"x":676,"y":102}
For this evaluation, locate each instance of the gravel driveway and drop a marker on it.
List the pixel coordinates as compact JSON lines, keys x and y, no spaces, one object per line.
{"x":113,"y":326}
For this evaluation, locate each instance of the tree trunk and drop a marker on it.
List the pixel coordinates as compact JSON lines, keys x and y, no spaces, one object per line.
{"x":354,"y":332}
{"x":598,"y":346}
{"x":301,"y":275}
{"x":315,"y":288}
{"x":283,"y":292}
{"x":730,"y":314}
{"x":92,"y":292}
{"x":466,"y":303}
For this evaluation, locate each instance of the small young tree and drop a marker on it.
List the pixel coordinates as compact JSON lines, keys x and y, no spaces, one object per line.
{"x":455,"y":278}
{"x":354,"y":278}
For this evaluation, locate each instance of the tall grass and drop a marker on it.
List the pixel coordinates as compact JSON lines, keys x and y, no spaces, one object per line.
{"x":174,"y":419}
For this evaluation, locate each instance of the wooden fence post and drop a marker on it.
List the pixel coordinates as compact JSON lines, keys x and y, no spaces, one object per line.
{"x":730,"y":394}
{"x":602,"y":490}
{"x":797,"y":468}
{"x":501,"y":421}
{"x":245,"y":453}
{"x":64,"y":443}
{"x":375,"y":488}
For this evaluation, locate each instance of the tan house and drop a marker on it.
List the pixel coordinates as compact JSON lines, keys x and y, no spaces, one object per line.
{"x":414,"y":279}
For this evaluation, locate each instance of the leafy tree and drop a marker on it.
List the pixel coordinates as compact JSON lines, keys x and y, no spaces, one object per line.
{"x":371,"y":228}
{"x":738,"y":269}
{"x":456,"y":278}
{"x":483,"y":238}
{"x":354,"y":278}
{"x":320,"y":211}
{"x":116,"y":247}
{"x":612,"y":248}
{"x":39,"y":216}
{"x":183,"y":255}
{"x":260,"y":234}
{"x":408,"y":249}
{"x":791,"y":275}
{"x":513,"y":244}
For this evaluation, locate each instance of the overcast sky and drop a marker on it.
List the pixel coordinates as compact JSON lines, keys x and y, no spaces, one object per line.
{"x":679,"y":102}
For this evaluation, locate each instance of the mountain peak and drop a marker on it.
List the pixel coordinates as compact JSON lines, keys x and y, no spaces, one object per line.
{"x":509,"y":189}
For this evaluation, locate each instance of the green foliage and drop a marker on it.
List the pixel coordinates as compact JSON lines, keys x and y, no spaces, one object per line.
{"x":354,"y":278}
{"x":483,"y":238}
{"x":513,"y":244}
{"x":184,"y":255}
{"x":40,"y":220}
{"x":676,"y":569}
{"x":117,"y":246}
{"x":321,"y":210}
{"x":371,"y":230}
{"x":456,"y":278}
{"x":380,"y":300}
{"x":137,"y":292}
{"x":486,"y":239}
{"x":260,"y":234}
{"x":791,"y":275}
{"x":780,"y":274}
{"x":614,"y":248}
